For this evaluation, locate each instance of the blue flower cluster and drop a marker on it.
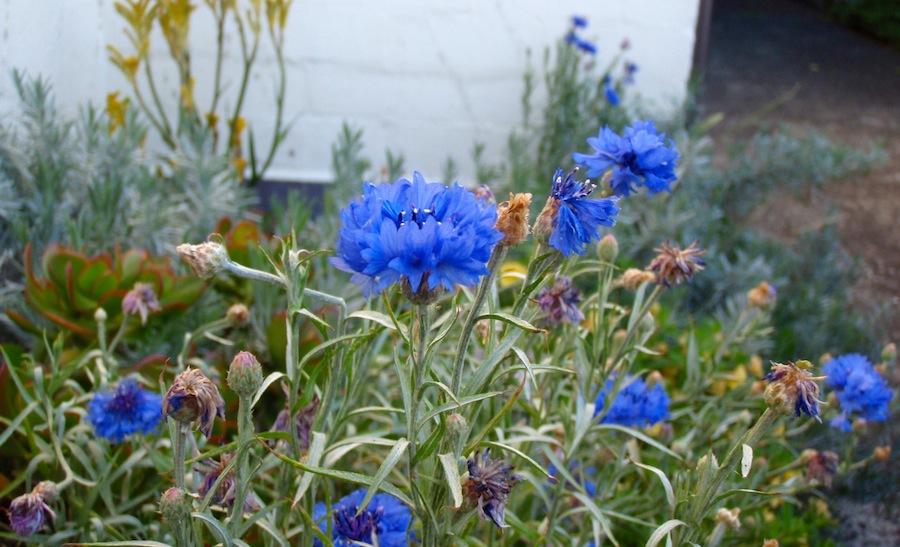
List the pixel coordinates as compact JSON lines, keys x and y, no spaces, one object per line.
{"x":125,"y":410}
{"x":385,"y":521}
{"x":860,"y":389}
{"x":638,"y":157}
{"x":418,"y":232}
{"x":575,"y":220}
{"x":573,"y":39}
{"x":636,"y":404}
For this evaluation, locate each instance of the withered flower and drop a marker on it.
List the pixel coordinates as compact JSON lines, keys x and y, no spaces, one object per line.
{"x":674,"y":265}
{"x":793,"y":389}
{"x":512,"y":219}
{"x":820,"y":466}
{"x":29,"y":513}
{"x":559,"y":303}
{"x":193,"y":398}
{"x":488,"y":487}
{"x":303,"y":420}
{"x":762,"y":296}
{"x":632,"y":278}
{"x":140,"y":300}
{"x":224,"y":494}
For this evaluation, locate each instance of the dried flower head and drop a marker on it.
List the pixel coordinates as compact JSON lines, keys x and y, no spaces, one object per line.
{"x":793,"y":389}
{"x":28,"y":513}
{"x":770,"y":543}
{"x":484,"y":193}
{"x":762,"y":296}
{"x":303,"y":420}
{"x":674,"y":266}
{"x":729,"y":517}
{"x":193,"y":398}
{"x":512,"y":219}
{"x":488,"y":487}
{"x":820,"y":466}
{"x":140,"y":300}
{"x":633,"y":278}
{"x":881,"y":453}
{"x":224,"y":494}
{"x":206,"y":259}
{"x":559,"y":303}
{"x":238,"y":315}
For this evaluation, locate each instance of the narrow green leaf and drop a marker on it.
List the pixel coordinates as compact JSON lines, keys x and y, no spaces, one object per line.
{"x":660,"y":533}
{"x":14,"y":425}
{"x":386,"y":467}
{"x":598,"y":515}
{"x":512,"y":320}
{"x":314,"y":318}
{"x":638,"y":435}
{"x":453,"y":405}
{"x":316,"y":450}
{"x":737,"y":491}
{"x":270,"y":379}
{"x":327,"y":344}
{"x":348,"y":476}
{"x":431,"y":444}
{"x":451,"y":470}
{"x":520,"y":454}
{"x":377,"y":317}
{"x":526,"y":362}
{"x":667,"y":486}
{"x":136,"y":543}
{"x":216,"y":527}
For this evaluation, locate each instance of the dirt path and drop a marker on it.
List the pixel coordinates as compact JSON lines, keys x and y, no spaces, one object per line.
{"x":815,"y":74}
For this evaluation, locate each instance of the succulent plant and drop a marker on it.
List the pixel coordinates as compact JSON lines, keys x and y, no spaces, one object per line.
{"x":71,"y":287}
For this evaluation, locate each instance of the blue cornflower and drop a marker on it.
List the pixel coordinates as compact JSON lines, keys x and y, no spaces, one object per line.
{"x":630,"y":70}
{"x":640,"y":157}
{"x":612,"y":96}
{"x":582,"y":44}
{"x":385,"y":520}
{"x":636,"y":404}
{"x":568,"y":221}
{"x":860,"y":389}
{"x":579,"y":21}
{"x":418,"y":233}
{"x":125,"y":410}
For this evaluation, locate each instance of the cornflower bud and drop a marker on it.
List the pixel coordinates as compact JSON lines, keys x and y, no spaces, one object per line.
{"x":238,"y":315}
{"x":175,"y":505}
{"x":206,"y":259}
{"x":245,"y":374}
{"x":512,"y":219}
{"x":608,"y":248}
{"x":100,"y":315}
{"x":889,"y":354}
{"x":193,"y":398}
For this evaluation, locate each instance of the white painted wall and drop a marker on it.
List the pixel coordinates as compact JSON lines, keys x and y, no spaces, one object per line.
{"x":426,"y":78}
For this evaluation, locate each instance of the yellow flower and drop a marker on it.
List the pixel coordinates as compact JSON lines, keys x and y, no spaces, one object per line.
{"x":116,"y":109}
{"x":511,"y":273}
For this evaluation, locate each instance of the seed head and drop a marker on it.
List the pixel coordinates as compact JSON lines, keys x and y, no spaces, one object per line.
{"x":633,"y":278}
{"x":238,"y":315}
{"x":729,"y":517}
{"x":206,"y":259}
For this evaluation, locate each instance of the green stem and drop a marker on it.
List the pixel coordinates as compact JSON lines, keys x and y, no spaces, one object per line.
{"x":242,"y":462}
{"x":701,"y":504}
{"x":635,"y":326}
{"x":179,"y":444}
{"x":421,"y":329}
{"x":493,"y":266}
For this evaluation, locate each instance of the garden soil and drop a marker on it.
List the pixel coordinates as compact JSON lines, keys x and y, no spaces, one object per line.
{"x":782,"y":62}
